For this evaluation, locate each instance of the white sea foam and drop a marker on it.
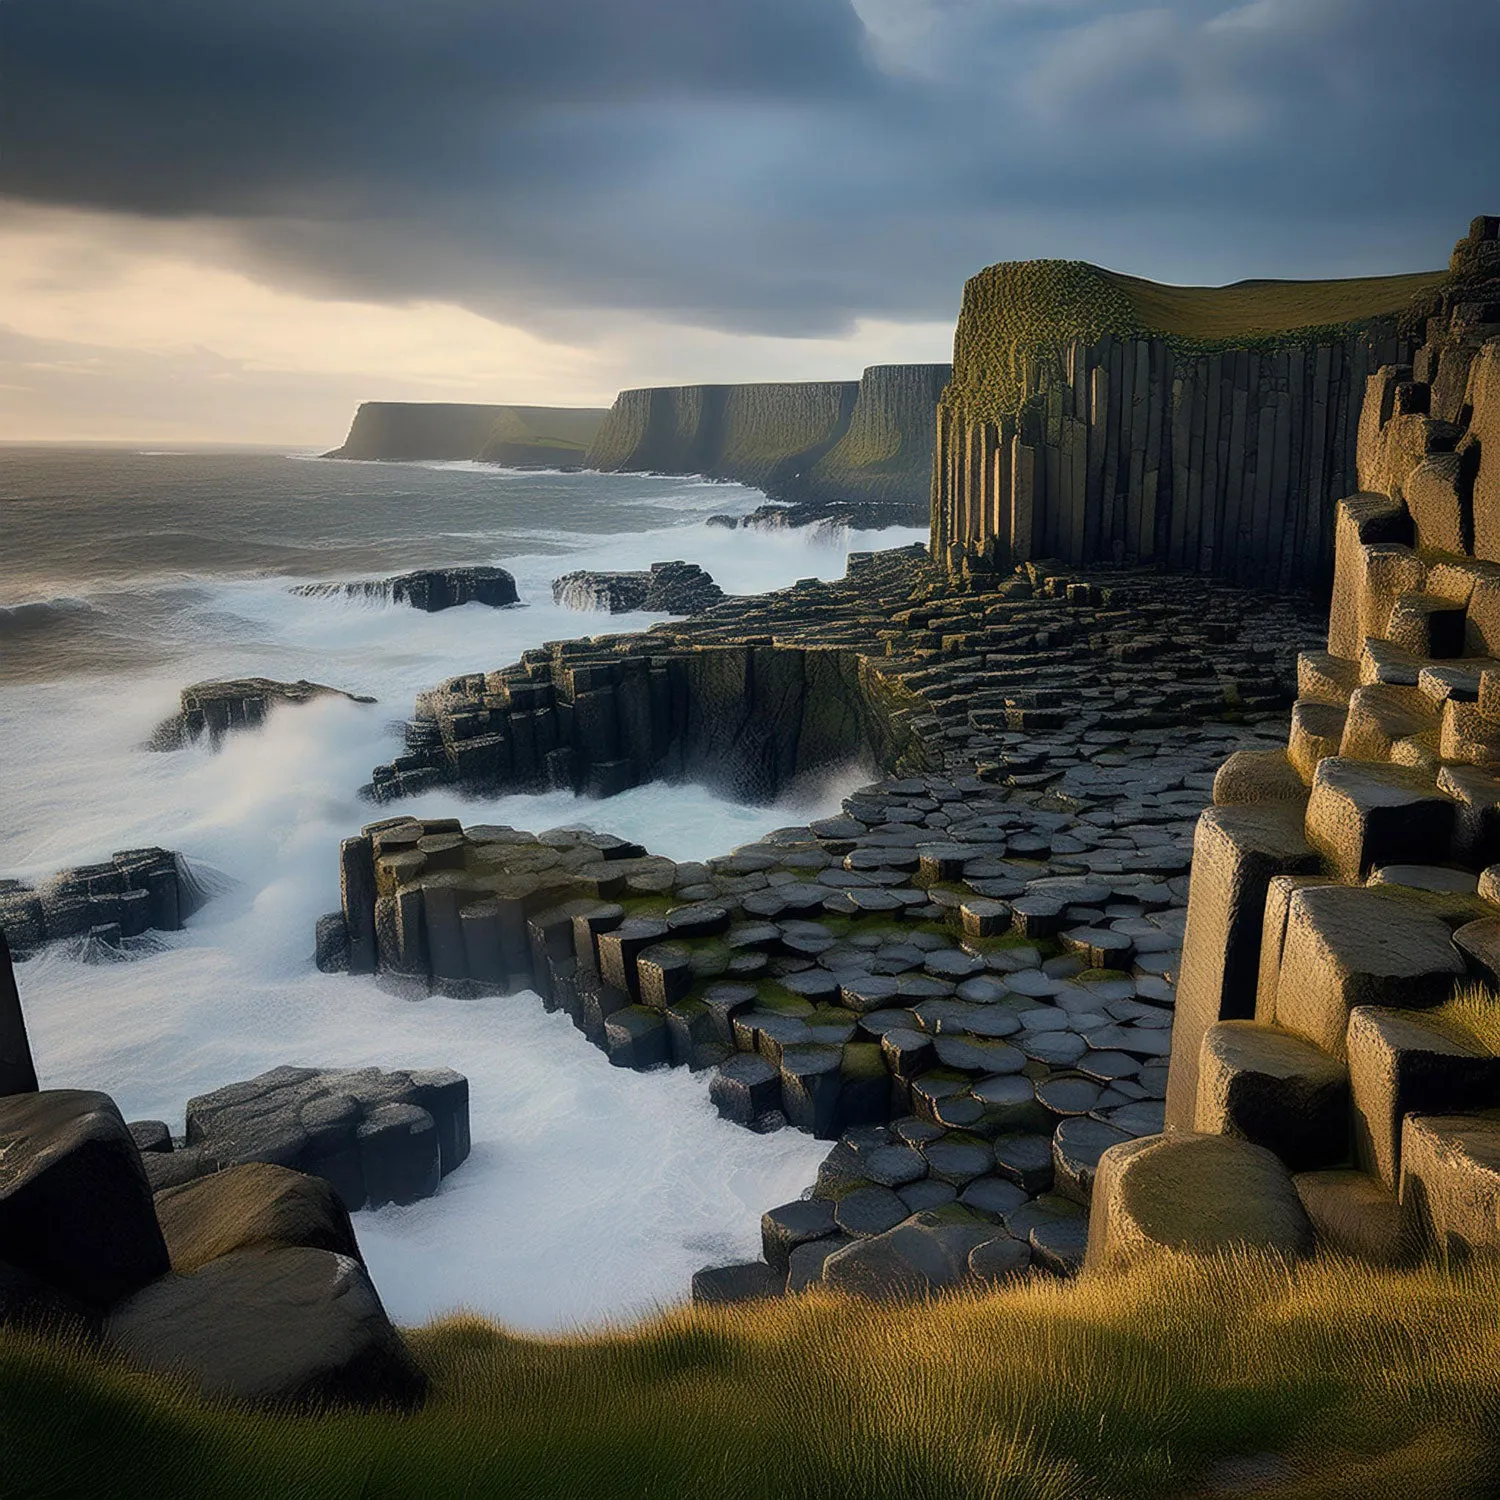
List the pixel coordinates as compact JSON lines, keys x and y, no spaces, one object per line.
{"x":592,"y":1192}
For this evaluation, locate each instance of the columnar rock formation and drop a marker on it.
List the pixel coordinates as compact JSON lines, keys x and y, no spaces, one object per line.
{"x":223,"y":707}
{"x":1337,"y":1016}
{"x":429,"y":589}
{"x":520,"y":436}
{"x":867,"y":442}
{"x":136,"y":891}
{"x":673,"y":588}
{"x":1097,"y":418}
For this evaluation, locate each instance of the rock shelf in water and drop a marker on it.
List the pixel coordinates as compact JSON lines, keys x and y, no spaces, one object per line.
{"x":429,"y":589}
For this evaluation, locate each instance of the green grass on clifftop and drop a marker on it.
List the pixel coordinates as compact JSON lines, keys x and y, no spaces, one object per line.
{"x":1186,"y":1378}
{"x":1018,"y":310}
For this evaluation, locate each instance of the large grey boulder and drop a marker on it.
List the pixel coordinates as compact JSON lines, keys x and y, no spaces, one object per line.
{"x":1450,"y":1183}
{"x":252,"y":1206}
{"x":75,"y":1206}
{"x":929,"y":1252}
{"x":270,"y":1326}
{"x":1199,"y":1194}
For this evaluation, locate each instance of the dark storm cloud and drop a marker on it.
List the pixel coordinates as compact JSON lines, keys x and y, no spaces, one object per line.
{"x":775,"y":165}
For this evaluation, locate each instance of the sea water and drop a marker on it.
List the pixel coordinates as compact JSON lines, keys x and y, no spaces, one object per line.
{"x":592,"y":1192}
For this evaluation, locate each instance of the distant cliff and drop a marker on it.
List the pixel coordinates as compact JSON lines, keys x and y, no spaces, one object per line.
{"x":869,"y":440}
{"x":521,"y":436}
{"x":1095,"y":417}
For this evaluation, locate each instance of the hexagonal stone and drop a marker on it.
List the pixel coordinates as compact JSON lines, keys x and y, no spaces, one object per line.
{"x":1143,"y":1117}
{"x":994,"y":1197}
{"x":1060,"y":1245}
{"x":637,"y":1037}
{"x":975,"y":1055}
{"x":1077,"y":1145}
{"x":1108,"y":1067}
{"x":748,"y":1281}
{"x":1025,"y":1159}
{"x":744,"y":1087}
{"x":1363,"y":814}
{"x":908,"y":1054}
{"x":958,"y":1158}
{"x":1067,"y":1094}
{"x":869,"y":1211}
{"x":1058,"y":1049}
{"x":1046,"y":1209}
{"x":868,"y":992}
{"x":893,"y":1166}
{"x":1000,"y":1259}
{"x":796,"y":1223}
{"x":924,"y":1254}
{"x":1450,"y":1184}
{"x":810,"y":1088}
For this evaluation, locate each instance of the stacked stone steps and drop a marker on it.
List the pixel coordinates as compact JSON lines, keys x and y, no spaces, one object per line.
{"x":1345,"y":888}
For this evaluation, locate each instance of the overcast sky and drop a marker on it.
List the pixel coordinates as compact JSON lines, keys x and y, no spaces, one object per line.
{"x":233,"y":219}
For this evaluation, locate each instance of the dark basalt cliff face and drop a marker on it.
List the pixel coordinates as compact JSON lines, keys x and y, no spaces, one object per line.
{"x":809,"y":441}
{"x":521,"y":436}
{"x":1095,"y":417}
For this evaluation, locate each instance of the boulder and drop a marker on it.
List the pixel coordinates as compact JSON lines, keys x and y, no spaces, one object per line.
{"x":75,"y":1206}
{"x":1259,"y":776}
{"x":1354,"y":1214}
{"x":252,"y":1206}
{"x":926,"y":1253}
{"x":1199,"y":1194}
{"x":744,"y":1282}
{"x":1361,"y":815}
{"x":271,"y":1327}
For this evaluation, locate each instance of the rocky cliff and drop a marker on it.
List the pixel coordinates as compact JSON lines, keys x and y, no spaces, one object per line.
{"x":1096,"y":417}
{"x":816,"y":441}
{"x":522,"y":436}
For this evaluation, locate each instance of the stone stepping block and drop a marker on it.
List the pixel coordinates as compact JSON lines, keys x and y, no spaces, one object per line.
{"x":1402,"y":1063}
{"x":847,"y":880}
{"x":1139,"y":1042}
{"x":876,"y":899}
{"x":1033,"y":983}
{"x":1266,"y":1085}
{"x":944,"y":861}
{"x":1058,"y":1049}
{"x":981,"y":917}
{"x":1450,"y":1185}
{"x":875,"y":1023}
{"x":253,"y":1205}
{"x":908,"y":1054}
{"x":896,"y":958}
{"x":702,"y":919}
{"x":1350,"y":946}
{"x":810,"y":1085}
{"x":1060,"y":1245}
{"x":1362,"y":815}
{"x":1152,"y":1080}
{"x":745,"y":1087}
{"x":869,"y":1211}
{"x":893,"y":1166}
{"x":620,"y":947}
{"x":881,"y":859}
{"x":693,"y":1035}
{"x":805,"y":943}
{"x":664,"y":974}
{"x":75,"y":1204}
{"x":723,"y":1003}
{"x":813,"y":984}
{"x":1067,"y":1094}
{"x":868,"y":992}
{"x":1102,"y":946}
{"x":747,"y":965}
{"x":1009,"y":1101}
{"x":958,"y":1158}
{"x":769,"y":1032}
{"x":977,"y":1055}
{"x":942,"y":1017}
{"x":1238,"y":851}
{"x":926,"y":1253}
{"x":992,"y":1197}
{"x":1026,"y":1159}
{"x":761,"y":935}
{"x":1037,"y":916}
{"x":1479,"y":942}
{"x":1137,"y":1117}
{"x":1042,"y":1019}
{"x":270,"y":1326}
{"x":915,"y":1131}
{"x":928,"y":1194}
{"x":1353,"y":1214}
{"x":1077,"y":1145}
{"x":993,"y":1023}
{"x":1046,"y":1209}
{"x":637,"y":1037}
{"x":930,"y":1088}
{"x":805,"y":1263}
{"x":1201,"y":1194}
{"x":829,"y":1024}
{"x":953,"y":963}
{"x":913,"y":988}
{"x":983,"y":990}
{"x":748,"y":1281}
{"x":999,"y":1260}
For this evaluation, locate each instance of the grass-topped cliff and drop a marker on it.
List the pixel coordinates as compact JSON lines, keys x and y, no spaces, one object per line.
{"x":531,"y":436}
{"x":1018,"y":312}
{"x":1179,"y":1378}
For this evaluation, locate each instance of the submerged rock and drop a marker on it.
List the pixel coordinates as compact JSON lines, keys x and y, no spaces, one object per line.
{"x":429,"y":589}
{"x":239,"y":703}
{"x":674,"y":588}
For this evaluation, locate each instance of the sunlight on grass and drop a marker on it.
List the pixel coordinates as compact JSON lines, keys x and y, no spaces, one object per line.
{"x":1134,"y":1384}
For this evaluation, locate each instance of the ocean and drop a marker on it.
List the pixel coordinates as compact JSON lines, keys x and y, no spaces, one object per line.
{"x":592,"y":1193}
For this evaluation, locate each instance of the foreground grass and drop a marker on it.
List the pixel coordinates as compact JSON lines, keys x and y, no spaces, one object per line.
{"x":1360,"y":1382}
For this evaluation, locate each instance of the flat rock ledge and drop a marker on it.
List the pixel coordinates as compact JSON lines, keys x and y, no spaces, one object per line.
{"x":218,"y":708}
{"x":247,"y":1285}
{"x":137,"y":891}
{"x":674,"y":588}
{"x":429,"y":589}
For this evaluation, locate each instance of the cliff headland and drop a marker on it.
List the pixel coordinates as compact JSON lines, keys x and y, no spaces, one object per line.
{"x":542,"y":437}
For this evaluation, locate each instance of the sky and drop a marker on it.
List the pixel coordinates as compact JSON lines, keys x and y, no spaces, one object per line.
{"x":233,"y":221}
